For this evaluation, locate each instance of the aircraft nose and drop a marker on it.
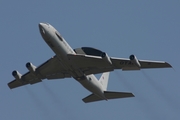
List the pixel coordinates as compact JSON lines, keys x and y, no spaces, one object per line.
{"x":41,"y":28}
{"x":40,"y":25}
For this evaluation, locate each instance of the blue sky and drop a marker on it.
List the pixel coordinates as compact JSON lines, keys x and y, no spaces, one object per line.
{"x":148,"y":29}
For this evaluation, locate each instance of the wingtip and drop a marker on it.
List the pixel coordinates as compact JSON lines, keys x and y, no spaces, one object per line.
{"x":169,"y":65}
{"x":10,"y":87}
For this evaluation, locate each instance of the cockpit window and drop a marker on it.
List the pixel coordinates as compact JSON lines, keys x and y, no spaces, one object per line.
{"x":59,"y":36}
{"x":47,"y":24}
{"x":43,"y":31}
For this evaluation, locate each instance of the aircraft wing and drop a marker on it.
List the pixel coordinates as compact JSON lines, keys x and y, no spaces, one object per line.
{"x":47,"y":70}
{"x":95,"y":64}
{"x":127,"y":64}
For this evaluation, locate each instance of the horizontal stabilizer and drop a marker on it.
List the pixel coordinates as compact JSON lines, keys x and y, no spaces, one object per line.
{"x":114,"y":95}
{"x":91,"y":98}
{"x":108,"y":95}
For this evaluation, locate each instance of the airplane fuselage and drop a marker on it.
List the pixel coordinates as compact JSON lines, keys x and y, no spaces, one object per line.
{"x":61,"y":48}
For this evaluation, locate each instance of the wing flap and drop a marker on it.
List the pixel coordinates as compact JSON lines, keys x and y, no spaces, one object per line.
{"x":34,"y":81}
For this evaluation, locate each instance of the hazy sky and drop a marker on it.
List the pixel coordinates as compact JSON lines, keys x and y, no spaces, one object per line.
{"x":148,"y":29}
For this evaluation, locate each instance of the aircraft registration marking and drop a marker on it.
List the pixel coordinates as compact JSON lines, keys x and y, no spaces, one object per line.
{"x":126,"y":63}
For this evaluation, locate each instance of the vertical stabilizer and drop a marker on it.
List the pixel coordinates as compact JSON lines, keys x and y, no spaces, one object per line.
{"x":104,"y":80}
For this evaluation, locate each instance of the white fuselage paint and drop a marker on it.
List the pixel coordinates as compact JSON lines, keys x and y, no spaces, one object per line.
{"x":61,"y":48}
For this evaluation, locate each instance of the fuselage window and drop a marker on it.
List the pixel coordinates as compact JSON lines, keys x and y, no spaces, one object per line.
{"x":59,"y":36}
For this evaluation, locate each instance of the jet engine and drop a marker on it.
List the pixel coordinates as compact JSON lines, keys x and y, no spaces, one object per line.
{"x":106,"y":58}
{"x":30,"y":67}
{"x":134,"y":60}
{"x":16,"y":75}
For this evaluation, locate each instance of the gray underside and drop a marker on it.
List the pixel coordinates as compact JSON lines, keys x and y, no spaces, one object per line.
{"x":108,"y":95}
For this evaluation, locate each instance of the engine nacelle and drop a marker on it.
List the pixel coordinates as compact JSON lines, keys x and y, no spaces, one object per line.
{"x":134,"y":60}
{"x":16,"y":75}
{"x":31,"y":67}
{"x":106,"y":58}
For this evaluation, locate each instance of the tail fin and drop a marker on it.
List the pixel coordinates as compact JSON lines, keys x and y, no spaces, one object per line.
{"x":104,"y":80}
